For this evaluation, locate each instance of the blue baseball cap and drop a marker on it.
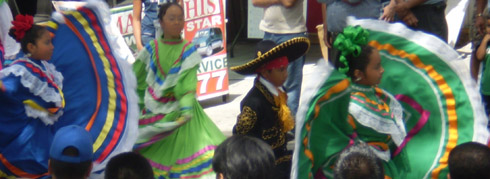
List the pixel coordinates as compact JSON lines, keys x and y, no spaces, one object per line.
{"x":72,"y":136}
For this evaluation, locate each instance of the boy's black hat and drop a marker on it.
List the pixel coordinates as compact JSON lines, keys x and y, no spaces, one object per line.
{"x":267,"y":51}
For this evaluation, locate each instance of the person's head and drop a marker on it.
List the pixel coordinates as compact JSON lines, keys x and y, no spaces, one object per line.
{"x":358,"y":162}
{"x":469,"y":160}
{"x":171,"y":17}
{"x":71,"y":152}
{"x":276,"y":71}
{"x":34,"y":40}
{"x":127,"y":166}
{"x":243,"y":157}
{"x":359,"y":61}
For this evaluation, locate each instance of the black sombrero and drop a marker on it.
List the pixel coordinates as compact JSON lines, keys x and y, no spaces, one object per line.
{"x":293,"y":49}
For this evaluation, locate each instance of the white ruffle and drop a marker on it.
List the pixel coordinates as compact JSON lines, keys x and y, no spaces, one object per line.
{"x":379,"y":124}
{"x":58,"y":17}
{"x":35,"y":85}
{"x":51,"y":69}
{"x":159,"y":107}
{"x":383,"y":155}
{"x":44,"y":116}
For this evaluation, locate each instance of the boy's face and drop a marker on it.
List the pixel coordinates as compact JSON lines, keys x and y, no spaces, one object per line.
{"x":276,"y":76}
{"x":488,"y":26}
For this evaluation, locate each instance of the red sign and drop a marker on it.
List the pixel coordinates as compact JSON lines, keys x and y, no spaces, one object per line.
{"x":205,"y":27}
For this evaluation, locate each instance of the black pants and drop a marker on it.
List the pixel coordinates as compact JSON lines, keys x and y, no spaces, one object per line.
{"x":431,"y":19}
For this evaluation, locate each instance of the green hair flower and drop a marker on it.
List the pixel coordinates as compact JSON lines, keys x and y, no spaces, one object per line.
{"x":349,"y":42}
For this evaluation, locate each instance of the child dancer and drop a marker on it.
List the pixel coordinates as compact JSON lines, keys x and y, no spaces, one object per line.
{"x":31,"y":100}
{"x":176,"y":135}
{"x":264,"y":111}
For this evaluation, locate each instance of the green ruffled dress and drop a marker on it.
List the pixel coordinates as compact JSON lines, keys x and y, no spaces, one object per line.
{"x":175,"y":134}
{"x":341,"y":114}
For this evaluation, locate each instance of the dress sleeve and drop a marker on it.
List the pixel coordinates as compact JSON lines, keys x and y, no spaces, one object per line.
{"x":247,"y":122}
{"x":185,"y":90}
{"x":9,"y":85}
{"x":139,"y":69}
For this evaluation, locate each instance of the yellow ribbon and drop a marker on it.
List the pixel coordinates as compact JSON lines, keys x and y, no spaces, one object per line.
{"x":284,"y":113}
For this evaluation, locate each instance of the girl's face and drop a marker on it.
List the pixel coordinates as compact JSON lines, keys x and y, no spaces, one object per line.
{"x":43,"y":49}
{"x":172,"y":22}
{"x":374,"y":71}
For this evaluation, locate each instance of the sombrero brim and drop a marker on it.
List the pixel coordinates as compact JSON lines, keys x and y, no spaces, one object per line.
{"x":293,"y":49}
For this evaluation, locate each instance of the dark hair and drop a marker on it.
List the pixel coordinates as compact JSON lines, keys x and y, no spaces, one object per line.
{"x":61,"y":169}
{"x":127,"y":166}
{"x":30,"y":36}
{"x":360,"y":62}
{"x":244,"y":157}
{"x":164,"y":7}
{"x":469,"y":160}
{"x":358,"y":161}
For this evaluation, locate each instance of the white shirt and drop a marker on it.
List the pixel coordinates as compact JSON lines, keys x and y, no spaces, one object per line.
{"x":281,"y":20}
{"x":270,"y":86}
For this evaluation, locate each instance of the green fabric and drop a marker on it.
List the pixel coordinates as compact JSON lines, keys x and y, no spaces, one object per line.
{"x":485,"y":77}
{"x":401,"y":78}
{"x":331,"y":132}
{"x":175,"y":146}
{"x":139,"y":69}
{"x":328,"y":134}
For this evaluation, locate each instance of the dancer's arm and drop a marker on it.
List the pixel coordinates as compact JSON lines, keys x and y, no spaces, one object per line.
{"x":481,"y":52}
{"x":137,"y":23}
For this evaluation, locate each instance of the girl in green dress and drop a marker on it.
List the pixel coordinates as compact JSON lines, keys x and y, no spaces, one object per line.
{"x":349,"y":110}
{"x":175,"y":134}
{"x":374,"y":115}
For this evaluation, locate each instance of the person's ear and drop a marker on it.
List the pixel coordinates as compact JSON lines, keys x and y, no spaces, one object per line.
{"x":358,"y":74}
{"x":220,"y":176}
{"x":265,"y":74}
{"x":31,"y":47}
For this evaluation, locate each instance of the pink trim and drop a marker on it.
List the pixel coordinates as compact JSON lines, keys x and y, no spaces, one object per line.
{"x":319,"y":174}
{"x":151,"y":119}
{"x":420,"y":124}
{"x":158,"y":166}
{"x":374,"y":109}
{"x":181,"y":53}
{"x":198,"y":176}
{"x":161,"y":99}
{"x":186,"y":160}
{"x":154,"y":139}
{"x":197,"y":154}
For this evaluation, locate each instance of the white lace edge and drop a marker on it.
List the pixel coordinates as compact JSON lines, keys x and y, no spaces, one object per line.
{"x":383,"y":155}
{"x":322,"y":71}
{"x":34,"y":84}
{"x":44,"y":116}
{"x":51,"y":69}
{"x":381,"y":125}
{"x":159,"y":107}
{"x":149,"y":131}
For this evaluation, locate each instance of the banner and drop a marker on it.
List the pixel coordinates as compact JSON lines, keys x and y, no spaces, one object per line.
{"x":123,"y":18}
{"x":205,"y":27}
